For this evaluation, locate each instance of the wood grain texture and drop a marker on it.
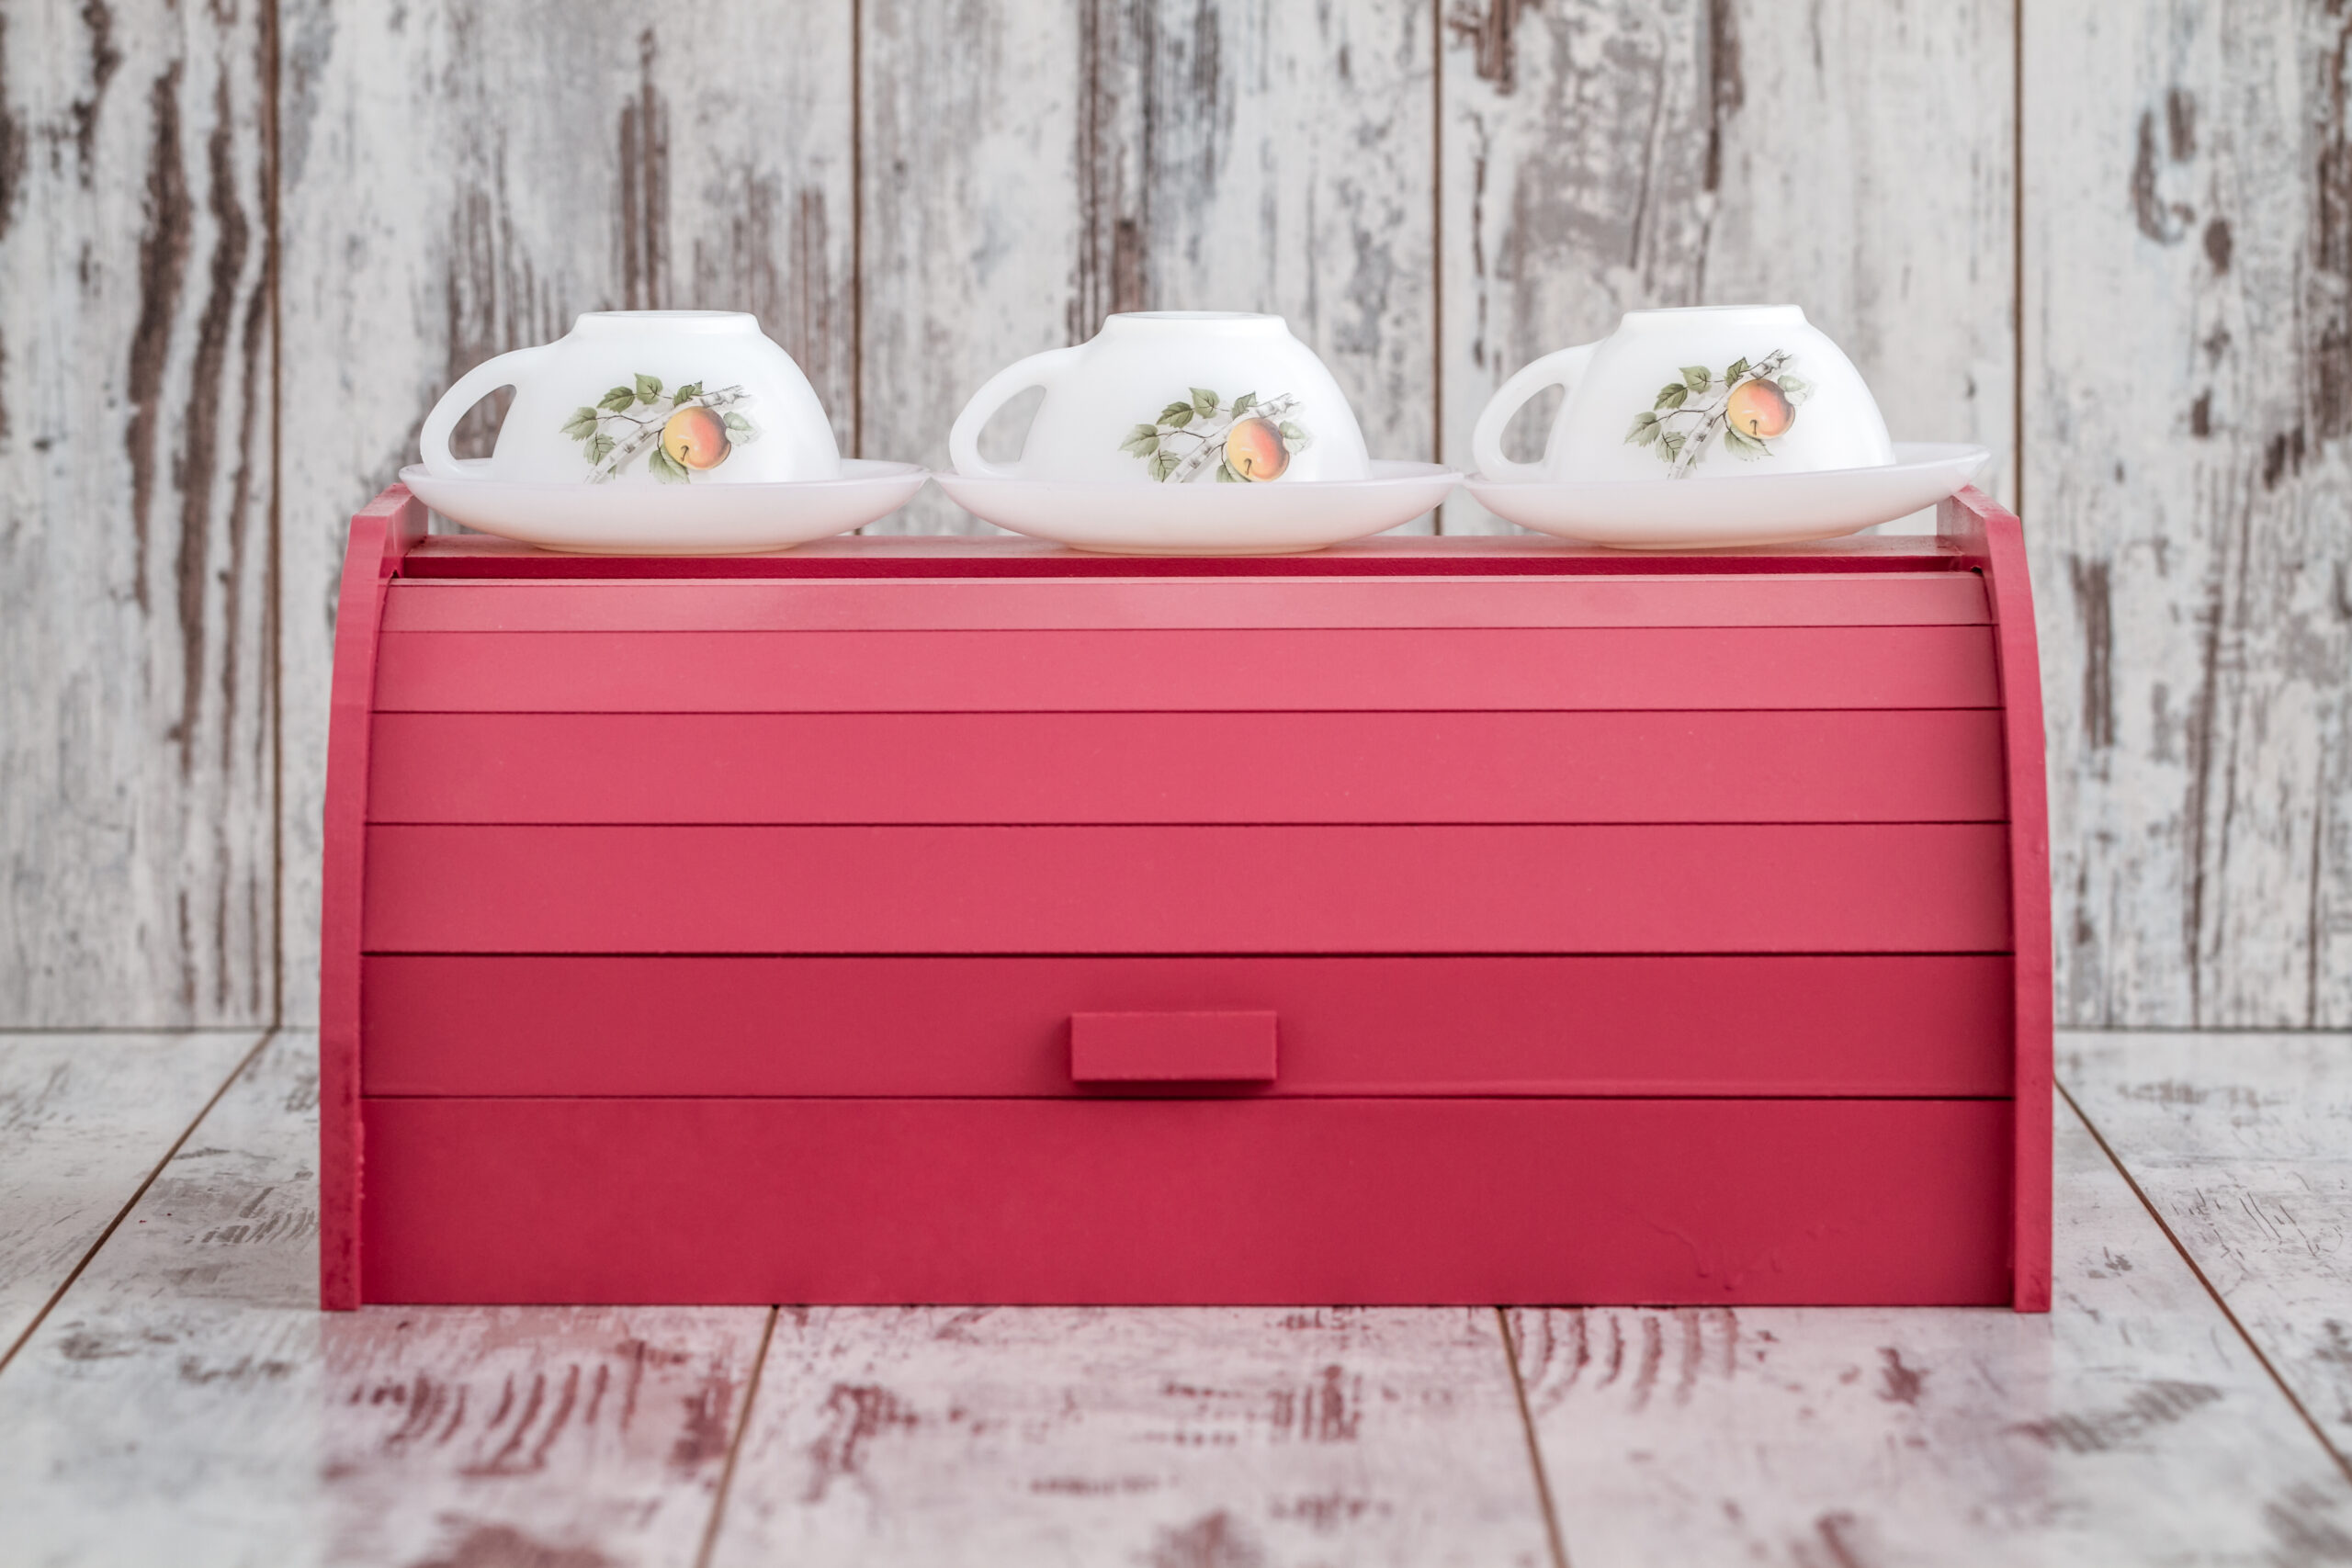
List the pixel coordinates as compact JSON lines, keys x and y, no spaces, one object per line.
{"x":2244,"y":1143}
{"x":2130,"y":1425}
{"x":1853,"y":157}
{"x":463,"y":180}
{"x":1054,"y":1436}
{"x":136,"y":712}
{"x":1030,"y":168}
{"x":2189,"y":299}
{"x":188,"y":1402}
{"x":84,"y":1119}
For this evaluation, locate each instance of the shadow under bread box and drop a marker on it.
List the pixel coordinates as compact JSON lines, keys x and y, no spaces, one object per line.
{"x":1464,"y":919}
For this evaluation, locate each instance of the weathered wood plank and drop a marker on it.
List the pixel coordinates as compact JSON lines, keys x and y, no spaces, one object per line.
{"x":1853,"y":156}
{"x":188,"y":1402}
{"x":83,"y":1120}
{"x":2244,"y":1143}
{"x":2131,"y":1425}
{"x":464,"y":179}
{"x":135,"y":412}
{"x":1164,"y":1435}
{"x":2188,"y":359}
{"x":1031,"y":168}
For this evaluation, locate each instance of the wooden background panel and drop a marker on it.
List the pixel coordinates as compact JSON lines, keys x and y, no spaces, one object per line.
{"x":2188,"y":301}
{"x":463,"y":180}
{"x":135,"y":407}
{"x":1853,"y":156}
{"x":1030,"y":168}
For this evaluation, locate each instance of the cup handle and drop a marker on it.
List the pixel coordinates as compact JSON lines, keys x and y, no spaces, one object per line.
{"x":1562,"y":368}
{"x":433,"y":441}
{"x":964,"y":440}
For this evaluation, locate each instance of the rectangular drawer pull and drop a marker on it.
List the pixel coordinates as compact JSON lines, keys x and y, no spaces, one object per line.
{"x":1172,"y":1047}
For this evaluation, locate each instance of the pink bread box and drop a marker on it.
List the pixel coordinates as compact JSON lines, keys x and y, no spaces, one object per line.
{"x":1429,"y":920}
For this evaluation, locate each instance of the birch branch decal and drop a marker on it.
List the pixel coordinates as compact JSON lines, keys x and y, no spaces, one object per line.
{"x":1247,"y":440}
{"x":680,"y":432}
{"x":1745,"y":406}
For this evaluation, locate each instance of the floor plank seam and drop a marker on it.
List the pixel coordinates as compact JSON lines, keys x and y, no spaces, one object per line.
{"x":2342,"y":1460}
{"x":1534,"y":1447}
{"x":735,"y":1444}
{"x":57,"y":1295}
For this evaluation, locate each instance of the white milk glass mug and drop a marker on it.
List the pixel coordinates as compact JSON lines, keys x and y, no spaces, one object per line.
{"x":1713,"y":391}
{"x":644,"y":396}
{"x":1173,"y":397}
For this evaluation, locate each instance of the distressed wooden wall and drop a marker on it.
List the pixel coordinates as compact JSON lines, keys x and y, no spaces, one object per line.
{"x":243,"y":245}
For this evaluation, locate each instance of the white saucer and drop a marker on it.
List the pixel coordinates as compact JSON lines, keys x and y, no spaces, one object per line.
{"x":671,"y":520}
{"x":1742,"y":509}
{"x":1206,"y":519}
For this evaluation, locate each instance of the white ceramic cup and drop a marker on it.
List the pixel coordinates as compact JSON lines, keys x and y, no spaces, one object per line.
{"x":644,"y":396}
{"x":1714,"y":392}
{"x":1173,"y":397}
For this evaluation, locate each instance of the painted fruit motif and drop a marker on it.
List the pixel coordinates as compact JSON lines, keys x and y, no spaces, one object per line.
{"x":695,"y":438}
{"x":1759,"y":409}
{"x":1201,"y":436}
{"x":1254,"y":449}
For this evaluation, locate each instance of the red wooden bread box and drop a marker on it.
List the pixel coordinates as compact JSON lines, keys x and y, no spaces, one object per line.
{"x":1432,"y":920}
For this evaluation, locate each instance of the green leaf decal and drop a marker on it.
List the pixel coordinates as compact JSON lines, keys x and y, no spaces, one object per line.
{"x":648,"y":388}
{"x":1244,"y":404}
{"x":581,"y":424}
{"x":1181,"y":417}
{"x":686,"y":393}
{"x":1738,"y":368}
{"x":1164,"y":464}
{"x":599,"y":449}
{"x":1672,"y":396}
{"x":617,"y":399}
{"x":659,"y":463}
{"x":1697,"y":378}
{"x":1739,"y":443}
{"x":1644,"y":431}
{"x":736,"y":425}
{"x":1203,"y":401}
{"x":1226,"y":476}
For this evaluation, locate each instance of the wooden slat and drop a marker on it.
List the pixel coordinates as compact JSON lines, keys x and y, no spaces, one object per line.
{"x":1030,"y":168}
{"x":1857,"y":598}
{"x":464,"y":178}
{"x":2185,"y":247}
{"x":476,"y":558}
{"x":1870,"y":888}
{"x":538,"y":1025}
{"x":186,"y":1402}
{"x":908,"y":1437}
{"x":1453,"y":668}
{"x":1857,"y":157}
{"x":137,"y":722}
{"x":2239,"y":1141}
{"x":2130,"y":1426}
{"x":1933,"y":765}
{"x":1188,"y":1200}
{"x":83,"y":1120}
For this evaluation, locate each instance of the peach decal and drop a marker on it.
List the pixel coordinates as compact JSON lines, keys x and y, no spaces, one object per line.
{"x":1242,"y":441}
{"x":1746,"y":407}
{"x":679,"y":432}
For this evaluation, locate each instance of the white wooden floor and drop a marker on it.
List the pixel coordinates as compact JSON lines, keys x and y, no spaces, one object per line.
{"x":169,"y":1394}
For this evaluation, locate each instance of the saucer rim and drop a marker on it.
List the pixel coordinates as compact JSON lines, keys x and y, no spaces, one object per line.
{"x":1943,"y":453}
